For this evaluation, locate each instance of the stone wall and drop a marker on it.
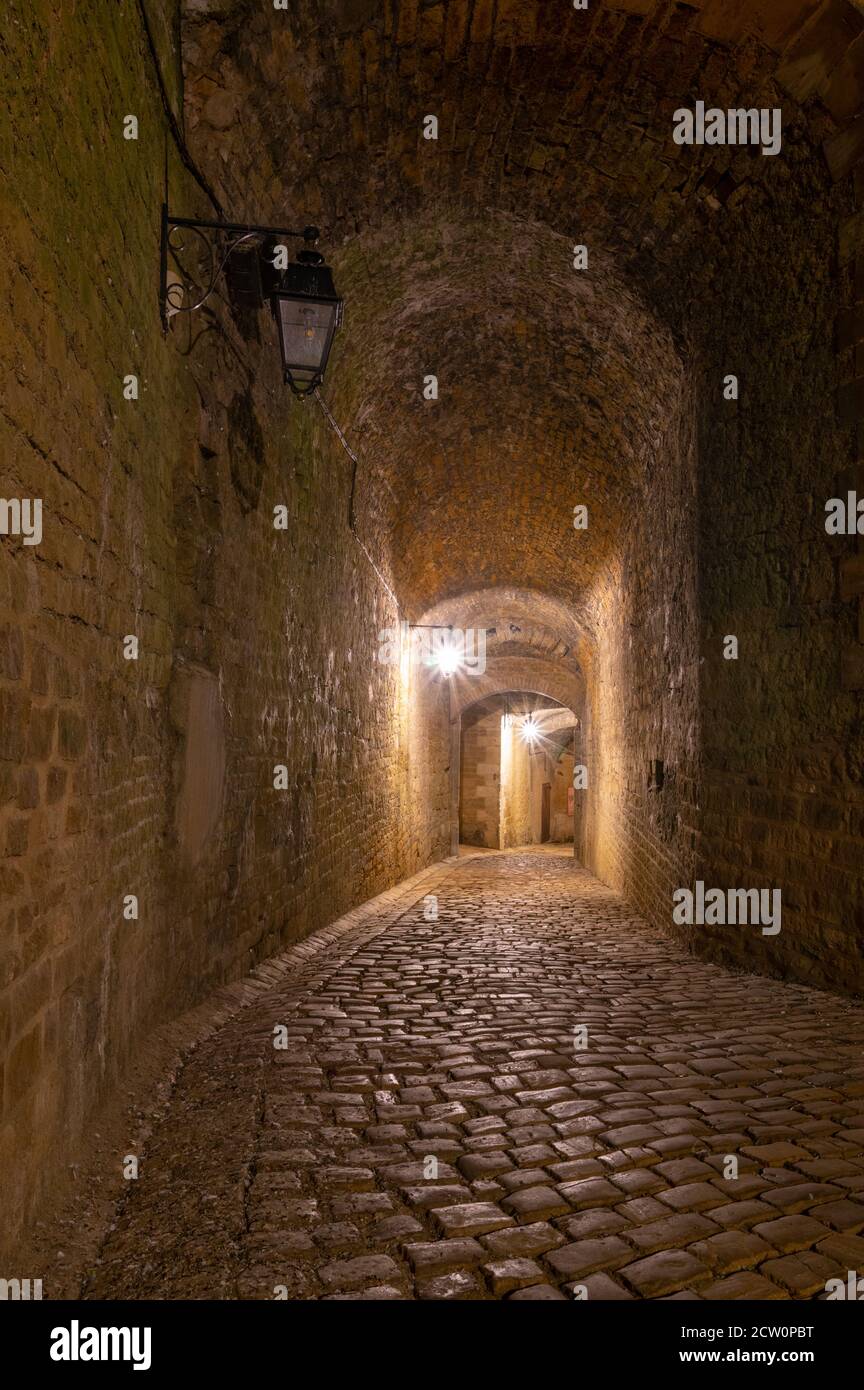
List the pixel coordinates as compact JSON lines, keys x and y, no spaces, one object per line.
{"x":643,"y":698}
{"x":783,"y":735}
{"x":560,"y":775}
{"x":480,"y":777}
{"x":763,"y":781}
{"x":515,"y":789}
{"x":154,"y":778}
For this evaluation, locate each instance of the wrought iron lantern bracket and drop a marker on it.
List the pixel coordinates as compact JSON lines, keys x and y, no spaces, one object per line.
{"x":238,"y":233}
{"x":302,"y":296}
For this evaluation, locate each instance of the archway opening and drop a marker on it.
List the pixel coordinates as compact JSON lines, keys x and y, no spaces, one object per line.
{"x":517,"y":754}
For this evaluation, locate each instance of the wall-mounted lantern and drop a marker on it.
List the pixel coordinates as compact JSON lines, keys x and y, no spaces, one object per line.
{"x":302,"y":296}
{"x":308,"y":311}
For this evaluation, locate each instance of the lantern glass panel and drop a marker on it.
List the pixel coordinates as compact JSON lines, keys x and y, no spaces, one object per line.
{"x":306,"y":328}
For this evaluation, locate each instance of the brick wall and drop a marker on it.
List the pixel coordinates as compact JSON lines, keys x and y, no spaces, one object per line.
{"x":560,"y":775}
{"x":480,"y":777}
{"x":783,"y":799}
{"x":258,"y":647}
{"x":643,"y":685}
{"x":154,"y":777}
{"x":515,"y":789}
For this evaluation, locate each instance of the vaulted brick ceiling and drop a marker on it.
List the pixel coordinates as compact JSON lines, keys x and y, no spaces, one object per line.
{"x":552,"y":390}
{"x":455,"y":255}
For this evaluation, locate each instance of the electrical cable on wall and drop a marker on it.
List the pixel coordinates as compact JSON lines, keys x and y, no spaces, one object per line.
{"x":351,"y":519}
{"x":173,"y":125}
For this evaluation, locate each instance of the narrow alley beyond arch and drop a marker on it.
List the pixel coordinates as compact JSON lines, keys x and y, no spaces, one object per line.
{"x":579,"y":1081}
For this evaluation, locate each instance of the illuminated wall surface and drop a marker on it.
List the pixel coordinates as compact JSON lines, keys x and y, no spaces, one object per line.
{"x":600,"y":375}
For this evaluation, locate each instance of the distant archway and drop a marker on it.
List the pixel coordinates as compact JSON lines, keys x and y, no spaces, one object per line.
{"x":515,"y":783}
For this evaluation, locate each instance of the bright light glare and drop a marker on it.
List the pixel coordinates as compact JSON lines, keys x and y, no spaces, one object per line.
{"x":529,"y":729}
{"x":448,"y":660}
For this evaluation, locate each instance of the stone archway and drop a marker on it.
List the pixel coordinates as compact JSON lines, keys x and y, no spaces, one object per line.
{"x":496,"y":796}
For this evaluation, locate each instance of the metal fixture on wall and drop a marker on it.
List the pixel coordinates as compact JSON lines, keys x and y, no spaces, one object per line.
{"x":302,"y":296}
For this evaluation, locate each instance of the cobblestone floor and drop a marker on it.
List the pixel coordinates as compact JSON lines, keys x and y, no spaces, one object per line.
{"x":308,"y":1172}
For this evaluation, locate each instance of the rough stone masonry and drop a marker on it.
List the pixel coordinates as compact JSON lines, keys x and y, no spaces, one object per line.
{"x":668,"y":335}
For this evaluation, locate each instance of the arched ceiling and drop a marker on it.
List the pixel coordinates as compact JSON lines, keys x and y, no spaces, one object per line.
{"x":540,"y":676}
{"x":553,"y":114}
{"x":520,"y":624}
{"x":556,"y":386}
{"x":532,"y":642}
{"x":518,"y":703}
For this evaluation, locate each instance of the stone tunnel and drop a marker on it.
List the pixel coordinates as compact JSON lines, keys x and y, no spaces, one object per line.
{"x":331,"y":967}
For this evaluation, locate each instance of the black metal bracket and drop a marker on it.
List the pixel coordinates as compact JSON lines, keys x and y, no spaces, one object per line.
{"x":238,"y":232}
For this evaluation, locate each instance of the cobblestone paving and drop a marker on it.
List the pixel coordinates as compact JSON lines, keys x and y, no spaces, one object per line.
{"x":309,"y":1172}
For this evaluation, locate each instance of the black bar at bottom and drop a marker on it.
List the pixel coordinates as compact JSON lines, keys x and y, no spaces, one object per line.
{"x":259,"y":1339}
